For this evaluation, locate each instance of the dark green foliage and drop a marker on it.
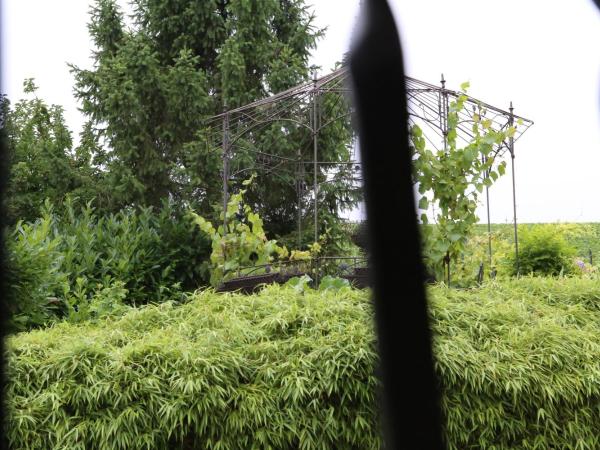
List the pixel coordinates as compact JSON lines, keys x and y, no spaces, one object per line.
{"x":42,"y":165}
{"x":62,"y":262}
{"x":543,"y":250}
{"x":34,"y":278}
{"x":151,"y":253}
{"x":287,"y":369}
{"x":180,"y":62}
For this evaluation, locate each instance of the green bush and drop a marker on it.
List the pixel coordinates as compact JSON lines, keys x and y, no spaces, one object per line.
{"x":62,"y":262}
{"x":278,"y":370}
{"x":543,"y":250}
{"x":518,"y":365}
{"x":35,"y":279}
{"x":152,"y":253}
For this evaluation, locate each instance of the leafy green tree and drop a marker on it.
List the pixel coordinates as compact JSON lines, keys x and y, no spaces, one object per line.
{"x":156,"y":79}
{"x":180,"y":61}
{"x":41,"y":164}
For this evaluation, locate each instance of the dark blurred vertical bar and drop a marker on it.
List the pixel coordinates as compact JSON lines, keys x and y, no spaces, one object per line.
{"x":3,"y":287}
{"x":410,"y":394}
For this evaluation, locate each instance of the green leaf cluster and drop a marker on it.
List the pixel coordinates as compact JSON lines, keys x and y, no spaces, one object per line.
{"x":543,"y":250}
{"x":451,"y":180}
{"x":517,"y":364}
{"x":278,"y":370}
{"x":240,"y":243}
{"x":326,"y":283}
{"x":64,"y":262}
{"x":34,"y":277}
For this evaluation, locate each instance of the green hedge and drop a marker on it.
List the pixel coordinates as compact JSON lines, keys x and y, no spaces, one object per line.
{"x":61,"y":262}
{"x":279,"y":370}
{"x":519,"y":365}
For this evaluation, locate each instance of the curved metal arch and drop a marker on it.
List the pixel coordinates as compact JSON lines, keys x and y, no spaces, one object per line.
{"x":264,"y":122}
{"x":329,"y":122}
{"x":424,"y":103}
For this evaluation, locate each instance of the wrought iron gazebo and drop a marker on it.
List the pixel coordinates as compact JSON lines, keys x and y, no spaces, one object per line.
{"x":300,"y":106}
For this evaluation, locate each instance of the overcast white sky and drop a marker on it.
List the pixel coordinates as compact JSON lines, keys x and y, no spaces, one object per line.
{"x":541,"y":55}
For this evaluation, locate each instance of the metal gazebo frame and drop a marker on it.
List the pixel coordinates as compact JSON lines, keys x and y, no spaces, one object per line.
{"x":428,"y":107}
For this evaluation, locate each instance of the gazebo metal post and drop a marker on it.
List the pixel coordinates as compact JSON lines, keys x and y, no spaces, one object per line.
{"x":489,"y":225}
{"x":315,"y":156}
{"x":225,"y":168}
{"x":299,"y":180}
{"x":443,"y":111}
{"x":484,"y":160}
{"x":511,"y":144}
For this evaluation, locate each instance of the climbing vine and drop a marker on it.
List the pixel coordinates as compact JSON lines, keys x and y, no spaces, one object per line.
{"x":451,"y":180}
{"x":242,"y":242}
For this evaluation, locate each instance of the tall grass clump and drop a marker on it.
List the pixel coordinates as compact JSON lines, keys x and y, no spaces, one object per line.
{"x":518,"y":365}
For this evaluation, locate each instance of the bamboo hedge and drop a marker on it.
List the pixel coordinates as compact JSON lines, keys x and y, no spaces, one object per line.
{"x":519,"y":366}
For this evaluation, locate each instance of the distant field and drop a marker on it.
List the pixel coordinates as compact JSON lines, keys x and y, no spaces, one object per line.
{"x":583,"y":236}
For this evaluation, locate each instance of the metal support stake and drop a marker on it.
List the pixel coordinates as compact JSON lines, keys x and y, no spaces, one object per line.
{"x":489,"y":225}
{"x":225,"y":168}
{"x":315,"y":155}
{"x":443,"y":108}
{"x":299,"y":190}
{"x":511,"y":143}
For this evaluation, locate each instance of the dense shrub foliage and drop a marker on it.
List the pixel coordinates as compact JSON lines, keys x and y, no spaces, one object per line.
{"x":34,"y":277}
{"x":279,"y":370}
{"x":62,"y":262}
{"x":519,"y":364}
{"x":286,"y":369}
{"x":543,"y":250}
